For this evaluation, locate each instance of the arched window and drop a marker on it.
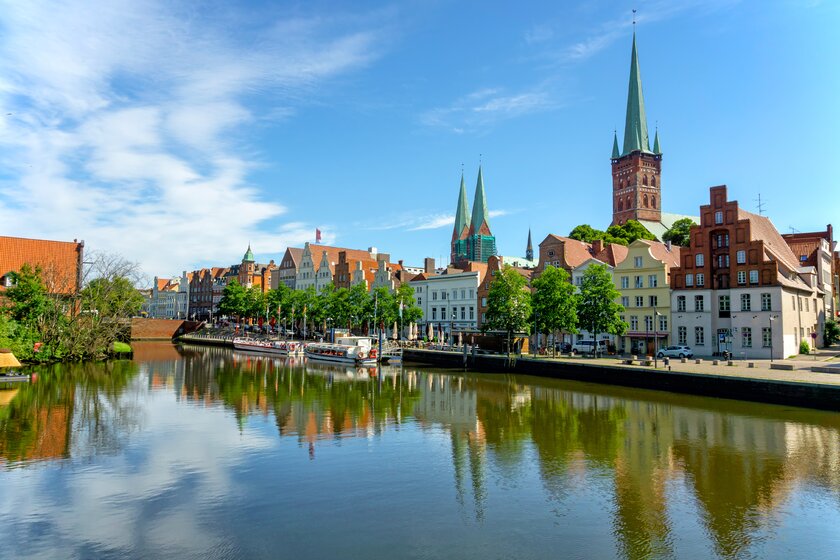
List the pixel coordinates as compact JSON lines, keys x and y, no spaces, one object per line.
{"x":644,"y":180}
{"x":629,"y":203}
{"x":620,"y":205}
{"x":653,"y":181}
{"x":652,"y":201}
{"x":645,"y":201}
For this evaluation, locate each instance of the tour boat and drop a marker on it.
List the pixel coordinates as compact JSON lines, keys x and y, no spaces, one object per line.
{"x":280,"y":347}
{"x":345,"y":349}
{"x":14,"y":376}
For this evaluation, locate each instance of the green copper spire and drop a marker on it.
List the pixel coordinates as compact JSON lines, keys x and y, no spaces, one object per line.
{"x":656,"y":149}
{"x":615,"y":154}
{"x":462,"y":218}
{"x":635,"y":127}
{"x":479,"y":210}
{"x":249,"y":256}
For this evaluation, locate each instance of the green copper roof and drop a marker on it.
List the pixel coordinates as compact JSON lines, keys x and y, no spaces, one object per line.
{"x":479,"y":210}
{"x":615,"y":154}
{"x":249,"y":256}
{"x":462,"y":218}
{"x":656,"y":149}
{"x":635,"y":127}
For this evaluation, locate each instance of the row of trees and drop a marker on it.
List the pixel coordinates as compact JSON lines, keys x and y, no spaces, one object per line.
{"x":632,"y":230}
{"x":555,"y":306}
{"x":41,"y":324}
{"x":350,"y":308}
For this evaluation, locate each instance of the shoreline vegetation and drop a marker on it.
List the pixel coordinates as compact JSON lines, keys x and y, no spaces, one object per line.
{"x":42,"y":321}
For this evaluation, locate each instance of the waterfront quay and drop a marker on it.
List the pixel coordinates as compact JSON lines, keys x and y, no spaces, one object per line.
{"x":789,"y":382}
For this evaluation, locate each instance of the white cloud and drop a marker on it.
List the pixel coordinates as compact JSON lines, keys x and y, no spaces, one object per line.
{"x":124,"y":118}
{"x":485,"y":107}
{"x":434,"y":222}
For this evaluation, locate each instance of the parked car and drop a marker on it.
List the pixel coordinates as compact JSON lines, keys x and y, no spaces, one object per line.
{"x":675,"y":352}
{"x":563,"y":347}
{"x":586,"y":346}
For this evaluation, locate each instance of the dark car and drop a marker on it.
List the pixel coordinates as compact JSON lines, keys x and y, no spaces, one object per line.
{"x":563,"y":347}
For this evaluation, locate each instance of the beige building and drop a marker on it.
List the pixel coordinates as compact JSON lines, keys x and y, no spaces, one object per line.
{"x":643,"y":279}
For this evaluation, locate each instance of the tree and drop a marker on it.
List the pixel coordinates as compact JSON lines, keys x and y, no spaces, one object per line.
{"x":357,"y":304}
{"x":832,"y":332}
{"x":508,"y":303}
{"x":554,"y":301}
{"x":627,"y":233}
{"x":586,"y":233}
{"x":28,"y":295}
{"x":234,"y":300}
{"x":598,"y":311}
{"x":112,"y":297}
{"x":410,"y":312}
{"x":679,"y":232}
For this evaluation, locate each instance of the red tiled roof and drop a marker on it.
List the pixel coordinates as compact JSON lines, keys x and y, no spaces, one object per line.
{"x":761,"y":228}
{"x":59,"y":260}
{"x":661,"y":253}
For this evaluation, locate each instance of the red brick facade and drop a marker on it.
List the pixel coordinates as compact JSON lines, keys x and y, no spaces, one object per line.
{"x":637,"y":187}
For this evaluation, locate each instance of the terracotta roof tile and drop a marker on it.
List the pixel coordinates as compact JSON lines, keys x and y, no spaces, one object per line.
{"x":58,"y":259}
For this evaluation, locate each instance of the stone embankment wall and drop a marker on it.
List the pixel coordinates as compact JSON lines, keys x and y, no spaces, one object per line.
{"x":811,"y":395}
{"x":161,"y":329}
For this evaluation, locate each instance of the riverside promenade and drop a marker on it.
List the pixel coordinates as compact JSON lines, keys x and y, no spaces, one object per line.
{"x":797,"y":384}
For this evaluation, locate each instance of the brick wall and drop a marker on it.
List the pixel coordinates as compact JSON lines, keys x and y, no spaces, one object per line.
{"x":161,"y":329}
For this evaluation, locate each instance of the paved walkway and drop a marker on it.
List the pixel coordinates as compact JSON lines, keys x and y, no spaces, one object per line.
{"x":800,"y":374}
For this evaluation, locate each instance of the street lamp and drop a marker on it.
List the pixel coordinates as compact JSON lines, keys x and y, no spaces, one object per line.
{"x":772,"y":318}
{"x":655,"y":339}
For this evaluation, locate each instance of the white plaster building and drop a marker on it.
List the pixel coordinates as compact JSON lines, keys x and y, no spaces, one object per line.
{"x":448,"y":301}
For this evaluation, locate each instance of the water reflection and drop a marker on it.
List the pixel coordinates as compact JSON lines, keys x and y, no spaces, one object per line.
{"x":665,"y":472}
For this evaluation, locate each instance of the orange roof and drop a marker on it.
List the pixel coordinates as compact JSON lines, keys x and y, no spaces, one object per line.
{"x":317,"y":252}
{"x":59,"y":261}
{"x":762,"y":228}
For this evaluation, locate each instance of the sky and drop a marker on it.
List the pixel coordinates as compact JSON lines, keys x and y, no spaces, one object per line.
{"x":175,"y":133}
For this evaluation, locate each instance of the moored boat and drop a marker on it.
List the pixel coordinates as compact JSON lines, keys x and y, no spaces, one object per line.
{"x":345,"y":349}
{"x":278,"y":347}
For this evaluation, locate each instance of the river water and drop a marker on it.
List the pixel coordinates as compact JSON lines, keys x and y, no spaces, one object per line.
{"x":196,"y":452}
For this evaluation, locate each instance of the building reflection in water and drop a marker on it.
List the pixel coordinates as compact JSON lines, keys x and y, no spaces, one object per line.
{"x":738,"y":463}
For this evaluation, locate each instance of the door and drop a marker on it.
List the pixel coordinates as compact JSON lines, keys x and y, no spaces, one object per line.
{"x":721,"y":340}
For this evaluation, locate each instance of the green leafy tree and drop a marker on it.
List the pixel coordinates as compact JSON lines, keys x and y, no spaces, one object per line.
{"x":508,"y":303}
{"x":234,"y":300}
{"x":598,"y":311}
{"x":679,"y":234}
{"x":28,"y":295}
{"x":411,"y":312}
{"x":832,"y":332}
{"x":554,"y":301}
{"x":358,"y":303}
{"x":627,"y":233}
{"x":112,"y":297}
{"x":586,"y":233}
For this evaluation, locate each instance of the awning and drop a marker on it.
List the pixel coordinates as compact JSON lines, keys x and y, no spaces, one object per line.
{"x":637,"y":334}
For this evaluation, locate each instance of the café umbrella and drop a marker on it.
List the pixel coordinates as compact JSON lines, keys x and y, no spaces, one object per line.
{"x":7,"y":359}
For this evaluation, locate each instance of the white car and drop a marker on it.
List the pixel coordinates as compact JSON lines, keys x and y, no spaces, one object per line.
{"x":675,"y":352}
{"x":585,"y":346}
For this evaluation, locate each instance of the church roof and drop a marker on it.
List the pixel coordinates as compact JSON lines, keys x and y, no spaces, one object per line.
{"x":479,"y":211}
{"x":635,"y":125}
{"x":462,"y":218}
{"x":249,"y":255}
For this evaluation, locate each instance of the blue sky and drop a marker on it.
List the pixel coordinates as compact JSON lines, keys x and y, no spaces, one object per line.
{"x":175,"y":133}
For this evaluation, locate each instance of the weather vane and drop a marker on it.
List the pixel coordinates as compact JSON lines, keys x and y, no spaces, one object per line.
{"x":634,"y":18}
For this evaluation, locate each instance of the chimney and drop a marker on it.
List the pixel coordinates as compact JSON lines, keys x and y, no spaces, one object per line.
{"x":668,"y":246}
{"x":597,"y":246}
{"x":429,"y":265}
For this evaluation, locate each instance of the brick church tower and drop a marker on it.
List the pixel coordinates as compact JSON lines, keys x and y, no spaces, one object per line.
{"x":636,"y":170}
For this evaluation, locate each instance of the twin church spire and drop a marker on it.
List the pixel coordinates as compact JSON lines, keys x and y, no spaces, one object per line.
{"x":472,"y":239}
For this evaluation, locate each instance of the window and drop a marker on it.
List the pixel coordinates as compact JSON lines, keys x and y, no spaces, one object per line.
{"x":663,"y":323}
{"x":723,"y":303}
{"x":698,"y":303}
{"x":766,"y":333}
{"x":443,"y":294}
{"x":742,"y":277}
{"x":484,"y":302}
{"x":648,"y":323}
{"x":682,"y":336}
{"x":625,"y":282}
{"x":722,"y":240}
{"x":625,"y":301}
{"x":640,"y":301}
{"x":463,"y":313}
{"x":806,"y":304}
{"x":689,"y":280}
{"x":471,"y":293}
{"x":718,"y":217}
{"x":698,"y":260}
{"x":746,"y":302}
{"x":637,"y":262}
{"x":419,"y":301}
{"x":463,"y":294}
{"x":700,"y":279}
{"x":723,"y":261}
{"x":471,"y":313}
{"x":653,"y":301}
{"x":652,"y":281}
{"x":680,"y":303}
{"x":434,"y":295}
{"x":741,"y":257}
{"x":434,"y":313}
{"x":637,"y":282}
{"x":699,"y":336}
{"x":800,"y":303}
{"x":746,"y":337}
{"x":634,"y":323}
{"x":443,"y":314}
{"x":578,"y":280}
{"x":765,"y":302}
{"x":753,"y":277}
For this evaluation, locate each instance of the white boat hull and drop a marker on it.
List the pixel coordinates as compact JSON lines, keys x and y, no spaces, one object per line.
{"x":267,"y":349}
{"x":339,"y":359}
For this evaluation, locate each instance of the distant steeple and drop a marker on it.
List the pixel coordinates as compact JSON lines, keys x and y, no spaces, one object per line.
{"x":462,"y":217}
{"x":480,"y":219}
{"x":529,"y":251}
{"x":656,"y":149}
{"x":615,"y":153}
{"x":635,"y":126}
{"x":249,"y":255}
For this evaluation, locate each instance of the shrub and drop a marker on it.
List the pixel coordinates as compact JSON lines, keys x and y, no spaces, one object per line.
{"x":804,"y":347}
